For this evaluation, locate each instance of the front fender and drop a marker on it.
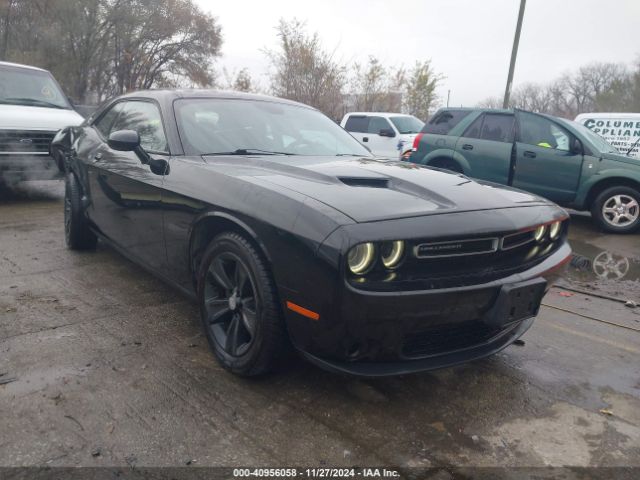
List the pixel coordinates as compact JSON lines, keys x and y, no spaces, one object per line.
{"x":609,"y":174}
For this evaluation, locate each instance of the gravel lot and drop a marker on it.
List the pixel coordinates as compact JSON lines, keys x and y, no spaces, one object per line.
{"x":102,"y":364}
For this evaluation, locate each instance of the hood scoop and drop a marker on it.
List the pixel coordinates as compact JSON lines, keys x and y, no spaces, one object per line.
{"x":370,"y":182}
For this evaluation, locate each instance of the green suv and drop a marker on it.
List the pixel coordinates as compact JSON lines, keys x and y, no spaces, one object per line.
{"x":552,"y":157}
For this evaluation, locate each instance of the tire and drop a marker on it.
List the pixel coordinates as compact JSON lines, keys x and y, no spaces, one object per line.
{"x":239,"y":309}
{"x":59,"y":160}
{"x":447,"y":164}
{"x":617,"y":210}
{"x":77,"y":234}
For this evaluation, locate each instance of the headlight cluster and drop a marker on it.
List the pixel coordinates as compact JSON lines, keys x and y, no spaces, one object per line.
{"x":362,"y":258}
{"x":553,"y":231}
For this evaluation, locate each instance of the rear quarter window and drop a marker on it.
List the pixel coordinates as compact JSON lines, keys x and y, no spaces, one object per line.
{"x":357,"y":123}
{"x":443,"y":122}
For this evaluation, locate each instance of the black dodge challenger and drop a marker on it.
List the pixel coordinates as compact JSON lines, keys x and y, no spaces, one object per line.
{"x":288,"y":232}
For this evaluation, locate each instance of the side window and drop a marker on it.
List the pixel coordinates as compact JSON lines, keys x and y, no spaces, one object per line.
{"x":378,"y":123}
{"x":443,"y":122}
{"x":497,"y":128}
{"x":105,"y":122}
{"x":357,"y":123}
{"x":143,"y":117}
{"x":473,"y":130}
{"x":537,"y":130}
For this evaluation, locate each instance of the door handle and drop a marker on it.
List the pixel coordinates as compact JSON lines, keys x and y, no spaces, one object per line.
{"x":365,"y":139}
{"x":529,"y":154}
{"x":97,"y":156}
{"x":467,"y":146}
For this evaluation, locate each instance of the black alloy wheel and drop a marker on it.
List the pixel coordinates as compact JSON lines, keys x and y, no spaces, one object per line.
{"x":239,"y":309}
{"x":231,"y":304}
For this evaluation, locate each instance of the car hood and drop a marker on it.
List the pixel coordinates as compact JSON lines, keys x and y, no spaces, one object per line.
{"x":619,"y":157}
{"x":367,"y":189}
{"x":37,"y":118}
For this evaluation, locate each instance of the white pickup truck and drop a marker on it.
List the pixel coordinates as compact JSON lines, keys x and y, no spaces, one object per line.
{"x":385,"y":134}
{"x":32,"y":109}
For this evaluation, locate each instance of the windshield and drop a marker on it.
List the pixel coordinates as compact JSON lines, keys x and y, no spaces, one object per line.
{"x":407,"y":124}
{"x":233,"y":126}
{"x":23,"y":86}
{"x":598,"y":142}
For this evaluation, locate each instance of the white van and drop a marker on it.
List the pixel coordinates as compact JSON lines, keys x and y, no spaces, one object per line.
{"x":620,"y":130}
{"x":385,"y":134}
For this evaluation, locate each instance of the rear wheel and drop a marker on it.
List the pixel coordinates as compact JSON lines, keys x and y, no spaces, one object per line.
{"x":617,"y":210}
{"x":239,"y":308}
{"x":76,"y":228}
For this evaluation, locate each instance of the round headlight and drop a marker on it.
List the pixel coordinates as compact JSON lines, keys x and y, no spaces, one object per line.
{"x":391,"y":253}
{"x":538,"y":235}
{"x":554,"y":230}
{"x":361,"y":258}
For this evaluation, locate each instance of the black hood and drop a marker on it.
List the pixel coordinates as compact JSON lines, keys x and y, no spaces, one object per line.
{"x":369,"y":190}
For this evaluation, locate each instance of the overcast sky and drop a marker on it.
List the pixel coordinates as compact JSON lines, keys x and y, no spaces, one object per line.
{"x":468,"y":41}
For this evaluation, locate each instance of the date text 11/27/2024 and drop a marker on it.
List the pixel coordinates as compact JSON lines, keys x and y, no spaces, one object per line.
{"x":314,"y":473}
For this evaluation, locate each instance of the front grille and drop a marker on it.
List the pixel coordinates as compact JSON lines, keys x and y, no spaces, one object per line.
{"x":25,"y":141}
{"x":460,"y":262}
{"x":448,"y":338}
{"x":456,"y":248}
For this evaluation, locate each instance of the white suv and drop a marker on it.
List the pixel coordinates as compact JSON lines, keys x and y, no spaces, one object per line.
{"x":32,"y":109}
{"x":385,"y":134}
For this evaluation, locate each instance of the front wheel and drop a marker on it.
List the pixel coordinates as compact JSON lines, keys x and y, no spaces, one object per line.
{"x":77,"y":234}
{"x":239,"y":308}
{"x":617,"y":210}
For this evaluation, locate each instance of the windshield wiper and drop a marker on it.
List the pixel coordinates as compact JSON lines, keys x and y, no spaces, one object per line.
{"x":248,"y":151}
{"x":35,"y":102}
{"x":349,"y":155}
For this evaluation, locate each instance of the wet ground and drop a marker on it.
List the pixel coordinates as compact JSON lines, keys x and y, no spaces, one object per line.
{"x":102,"y":364}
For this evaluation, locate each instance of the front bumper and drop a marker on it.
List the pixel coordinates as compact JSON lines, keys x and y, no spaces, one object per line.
{"x":448,"y":359}
{"x":391,"y":333}
{"x":17,"y":168}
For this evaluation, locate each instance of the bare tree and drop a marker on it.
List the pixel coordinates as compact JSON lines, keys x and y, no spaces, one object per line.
{"x":593,"y":87}
{"x":106,"y":47}
{"x":154,"y":41}
{"x":303,"y":71}
{"x":532,"y":97}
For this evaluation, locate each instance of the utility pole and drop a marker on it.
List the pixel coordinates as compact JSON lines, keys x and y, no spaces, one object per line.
{"x":514,"y":54}
{"x":448,"y":95}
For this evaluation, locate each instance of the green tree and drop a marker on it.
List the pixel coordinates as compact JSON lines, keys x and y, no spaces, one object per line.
{"x":420,"y":90}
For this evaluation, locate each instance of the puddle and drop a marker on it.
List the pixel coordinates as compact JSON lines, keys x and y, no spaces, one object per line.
{"x":604,"y":270}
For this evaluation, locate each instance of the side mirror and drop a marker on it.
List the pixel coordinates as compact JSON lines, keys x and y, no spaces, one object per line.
{"x":387,"y":132}
{"x":124,"y":140}
{"x":576,"y":147}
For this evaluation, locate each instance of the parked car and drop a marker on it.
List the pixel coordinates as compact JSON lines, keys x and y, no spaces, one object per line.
{"x":384,"y":134}
{"x":556,"y":158}
{"x":32,"y":109}
{"x":620,"y":130}
{"x":285,"y":229}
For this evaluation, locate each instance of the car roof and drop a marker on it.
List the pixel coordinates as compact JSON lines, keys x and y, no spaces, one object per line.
{"x":169,"y":94}
{"x":607,"y":115}
{"x":379,"y":114}
{"x":18,"y":65}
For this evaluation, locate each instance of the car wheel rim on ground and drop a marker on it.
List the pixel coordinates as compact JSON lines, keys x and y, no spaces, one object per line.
{"x":621,"y":210}
{"x":231,"y":304}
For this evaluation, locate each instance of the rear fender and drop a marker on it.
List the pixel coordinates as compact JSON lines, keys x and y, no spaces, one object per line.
{"x":449,"y":154}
